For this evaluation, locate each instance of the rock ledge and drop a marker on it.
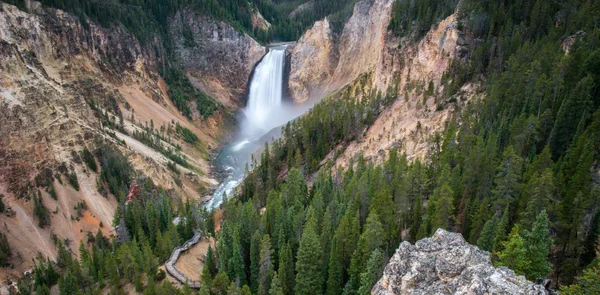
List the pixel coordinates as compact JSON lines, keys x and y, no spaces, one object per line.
{"x":447,"y":264}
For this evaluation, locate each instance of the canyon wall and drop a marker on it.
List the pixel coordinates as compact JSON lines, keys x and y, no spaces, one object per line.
{"x":335,"y":61}
{"x":65,"y":85}
{"x":217,"y":58}
{"x":322,"y":64}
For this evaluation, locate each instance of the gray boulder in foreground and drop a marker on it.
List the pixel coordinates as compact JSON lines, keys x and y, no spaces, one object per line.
{"x":447,"y":264}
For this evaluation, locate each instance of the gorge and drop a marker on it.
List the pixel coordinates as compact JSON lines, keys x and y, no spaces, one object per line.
{"x":299,"y":147}
{"x":265,"y":111}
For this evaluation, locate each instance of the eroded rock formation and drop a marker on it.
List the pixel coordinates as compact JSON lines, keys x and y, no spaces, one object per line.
{"x":218,"y":58}
{"x":313,"y":61}
{"x":62,"y":83}
{"x":339,"y":60}
{"x":447,"y":264}
{"x":368,"y":55}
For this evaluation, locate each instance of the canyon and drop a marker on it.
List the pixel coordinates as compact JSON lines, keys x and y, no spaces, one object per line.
{"x":55,"y":72}
{"x":194,"y":108}
{"x":64,"y":82}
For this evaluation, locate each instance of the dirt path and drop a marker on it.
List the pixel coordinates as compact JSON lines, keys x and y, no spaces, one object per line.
{"x":191,"y":262}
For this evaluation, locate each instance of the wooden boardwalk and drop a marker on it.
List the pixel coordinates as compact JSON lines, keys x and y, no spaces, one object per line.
{"x":170,"y":264}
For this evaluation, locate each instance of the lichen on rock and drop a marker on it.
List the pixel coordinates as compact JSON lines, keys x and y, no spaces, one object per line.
{"x":447,"y":264}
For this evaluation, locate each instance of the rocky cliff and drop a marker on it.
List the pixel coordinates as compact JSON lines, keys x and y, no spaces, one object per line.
{"x":339,"y":59}
{"x":323,"y":64}
{"x":216,"y":56}
{"x":447,"y":264}
{"x":313,"y":61}
{"x":66,"y":86}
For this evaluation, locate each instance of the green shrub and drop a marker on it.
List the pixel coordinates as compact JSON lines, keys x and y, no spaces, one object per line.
{"x":73,"y":180}
{"x":187,"y":134}
{"x":89,"y":160}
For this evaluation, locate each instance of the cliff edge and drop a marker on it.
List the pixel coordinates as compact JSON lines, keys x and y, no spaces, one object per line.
{"x":447,"y":264}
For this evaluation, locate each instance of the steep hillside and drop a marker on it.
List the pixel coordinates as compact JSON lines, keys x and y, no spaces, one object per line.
{"x":217,"y":58}
{"x":356,"y":51}
{"x":323,"y":64}
{"x":69,"y":87}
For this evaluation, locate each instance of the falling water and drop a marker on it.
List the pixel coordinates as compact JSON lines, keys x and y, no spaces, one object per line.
{"x":264,"y":100}
{"x":264,"y":112}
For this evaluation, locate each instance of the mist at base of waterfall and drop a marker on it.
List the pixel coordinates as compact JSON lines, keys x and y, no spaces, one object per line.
{"x":259,"y":121}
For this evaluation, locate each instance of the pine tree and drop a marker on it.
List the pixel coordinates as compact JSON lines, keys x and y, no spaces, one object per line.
{"x":5,"y":252}
{"x":370,"y":240}
{"x":539,"y":244}
{"x":275,"y":288}
{"x":64,"y":258}
{"x":224,"y":246}
{"x":236,"y":268}
{"x":68,"y":284}
{"x":541,"y":190}
{"x":210,"y":262}
{"x":372,"y":273}
{"x":221,"y":283}
{"x":204,"y":289}
{"x":508,"y":178}
{"x":488,"y":234}
{"x":254,"y":260}
{"x":286,"y":269}
{"x":383,"y":206}
{"x":266,"y":266}
{"x":587,"y":283}
{"x":295,"y":190}
{"x":41,"y":212}
{"x":334,"y":278}
{"x":126,"y":261}
{"x":501,"y":230}
{"x":42,"y":290}
{"x":210,"y":223}
{"x":514,"y":255}
{"x":308,"y":271}
{"x":444,"y":207}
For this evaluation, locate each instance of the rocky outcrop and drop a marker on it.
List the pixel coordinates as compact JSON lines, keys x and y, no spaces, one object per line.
{"x":356,"y":51}
{"x":216,"y":56}
{"x":258,"y":21}
{"x":313,"y":60}
{"x":447,"y":264}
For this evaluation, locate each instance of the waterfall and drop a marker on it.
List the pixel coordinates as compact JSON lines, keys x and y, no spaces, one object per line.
{"x":263,"y":111}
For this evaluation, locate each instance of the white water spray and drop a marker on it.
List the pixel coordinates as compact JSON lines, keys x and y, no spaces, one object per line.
{"x":264,"y":111}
